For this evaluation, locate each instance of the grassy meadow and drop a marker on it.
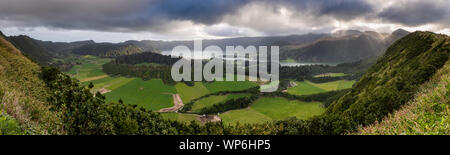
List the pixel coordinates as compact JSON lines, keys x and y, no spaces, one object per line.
{"x":330,"y":75}
{"x":307,"y":87}
{"x":188,"y":93}
{"x":268,"y":109}
{"x":152,"y":94}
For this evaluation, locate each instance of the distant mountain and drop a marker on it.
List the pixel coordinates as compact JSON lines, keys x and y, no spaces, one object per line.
{"x":158,"y":46}
{"x":107,"y":49}
{"x":63,"y":47}
{"x":342,"y":46}
{"x":31,"y":48}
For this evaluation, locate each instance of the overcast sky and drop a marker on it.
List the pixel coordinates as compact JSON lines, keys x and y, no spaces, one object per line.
{"x":120,"y":20}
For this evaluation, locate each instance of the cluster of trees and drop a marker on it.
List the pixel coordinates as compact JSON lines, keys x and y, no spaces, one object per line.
{"x":107,"y":49}
{"x":319,"y":97}
{"x":146,"y":72}
{"x":331,"y":79}
{"x":231,"y":104}
{"x":188,"y":106}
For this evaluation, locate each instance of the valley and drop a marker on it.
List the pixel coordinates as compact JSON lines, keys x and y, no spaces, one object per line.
{"x":155,"y":95}
{"x":132,"y":91}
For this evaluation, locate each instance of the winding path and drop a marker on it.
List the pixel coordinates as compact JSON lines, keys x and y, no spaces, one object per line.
{"x":178,"y":104}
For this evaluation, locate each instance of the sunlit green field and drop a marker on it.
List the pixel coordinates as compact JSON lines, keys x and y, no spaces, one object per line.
{"x":247,"y":115}
{"x":188,"y":93}
{"x":268,"y":109}
{"x":211,"y":100}
{"x":151,"y":94}
{"x":304,"y":88}
{"x":330,"y":75}
{"x":307,"y":87}
{"x":229,"y":85}
{"x":91,"y":67}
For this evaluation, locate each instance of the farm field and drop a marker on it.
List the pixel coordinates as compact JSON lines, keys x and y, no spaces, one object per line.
{"x":268,"y":109}
{"x":188,"y":93}
{"x":91,"y":67}
{"x":211,"y":100}
{"x":307,"y":87}
{"x":280,"y":108}
{"x":247,"y":115}
{"x":217,"y":86}
{"x":330,"y":75}
{"x":152,"y":94}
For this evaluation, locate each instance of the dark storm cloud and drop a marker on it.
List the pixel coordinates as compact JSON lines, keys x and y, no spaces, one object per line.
{"x":339,"y":9}
{"x":114,"y":15}
{"x":416,"y":13}
{"x":200,"y":11}
{"x":160,"y":15}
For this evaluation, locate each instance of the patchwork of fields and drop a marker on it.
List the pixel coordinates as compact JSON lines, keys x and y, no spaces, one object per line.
{"x":154,"y":94}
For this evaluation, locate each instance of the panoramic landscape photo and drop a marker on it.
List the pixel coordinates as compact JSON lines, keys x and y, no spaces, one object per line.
{"x":224,"y":67}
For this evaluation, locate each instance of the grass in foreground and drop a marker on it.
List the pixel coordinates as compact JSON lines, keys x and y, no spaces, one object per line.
{"x":427,"y":114}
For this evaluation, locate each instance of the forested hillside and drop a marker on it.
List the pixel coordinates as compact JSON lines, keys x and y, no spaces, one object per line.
{"x":107,"y":49}
{"x":427,"y":114}
{"x":392,"y":81}
{"x":343,"y":46}
{"x":31,"y":48}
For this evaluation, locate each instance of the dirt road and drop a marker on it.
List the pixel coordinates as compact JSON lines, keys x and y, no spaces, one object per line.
{"x":178,"y":104}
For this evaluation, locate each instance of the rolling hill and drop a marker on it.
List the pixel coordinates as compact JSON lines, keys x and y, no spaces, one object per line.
{"x":392,"y":81}
{"x":31,"y":48}
{"x":107,"y":49}
{"x":342,"y":46}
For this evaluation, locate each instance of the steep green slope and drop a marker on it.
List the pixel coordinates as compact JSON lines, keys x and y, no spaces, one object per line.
{"x":427,"y":114}
{"x":31,"y":48}
{"x":392,"y":81}
{"x":23,"y":94}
